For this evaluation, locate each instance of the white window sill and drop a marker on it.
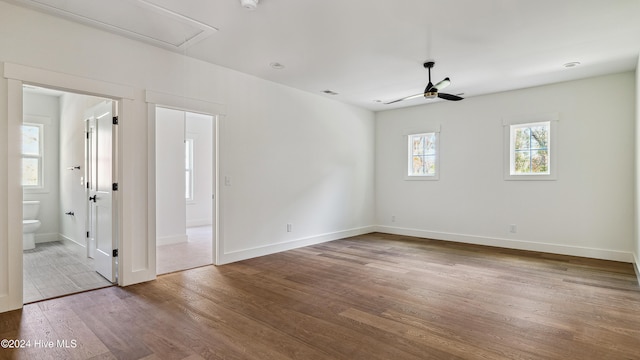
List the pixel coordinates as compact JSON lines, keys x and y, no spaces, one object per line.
{"x":422,"y":178}
{"x":545,"y":177}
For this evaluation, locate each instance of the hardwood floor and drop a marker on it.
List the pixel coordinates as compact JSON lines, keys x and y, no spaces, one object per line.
{"x":374,"y":296}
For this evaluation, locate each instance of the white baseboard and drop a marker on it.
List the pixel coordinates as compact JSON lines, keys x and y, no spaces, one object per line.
{"x":595,"y":253}
{"x":636,"y":266}
{"x":239,"y":255}
{"x":513,"y":244}
{"x":67,"y":239}
{"x":48,"y":237}
{"x":198,"y":222}
{"x":168,"y":240}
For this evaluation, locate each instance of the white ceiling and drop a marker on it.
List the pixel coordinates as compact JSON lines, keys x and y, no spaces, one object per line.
{"x":368,"y":50}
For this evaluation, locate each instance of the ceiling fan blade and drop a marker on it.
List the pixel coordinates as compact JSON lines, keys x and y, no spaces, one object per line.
{"x":449,"y":97}
{"x":442,"y":84}
{"x":405,"y":98}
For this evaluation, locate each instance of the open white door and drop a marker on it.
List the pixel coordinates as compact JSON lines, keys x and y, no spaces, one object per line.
{"x":101,"y":139}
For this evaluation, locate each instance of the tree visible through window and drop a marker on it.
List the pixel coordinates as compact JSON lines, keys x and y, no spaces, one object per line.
{"x":32,"y":155}
{"x":530,"y":148}
{"x":422,"y":155}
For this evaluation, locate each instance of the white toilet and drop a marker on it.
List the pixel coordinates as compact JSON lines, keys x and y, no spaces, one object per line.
{"x":30,"y":223}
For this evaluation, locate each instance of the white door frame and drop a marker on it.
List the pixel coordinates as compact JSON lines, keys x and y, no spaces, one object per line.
{"x":18,"y":75}
{"x":215,"y":110}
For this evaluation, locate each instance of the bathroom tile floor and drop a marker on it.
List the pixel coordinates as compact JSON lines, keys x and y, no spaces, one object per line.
{"x":197,"y":251}
{"x":58,"y":268}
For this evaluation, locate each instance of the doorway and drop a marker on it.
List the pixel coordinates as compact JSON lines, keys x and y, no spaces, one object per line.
{"x":55,"y":177}
{"x":185,"y":189}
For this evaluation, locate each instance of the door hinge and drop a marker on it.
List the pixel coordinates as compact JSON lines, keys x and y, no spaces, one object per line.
{"x":115,"y":252}
{"x":87,"y":134}
{"x":115,"y":120}
{"x":114,"y":187}
{"x":87,"y":234}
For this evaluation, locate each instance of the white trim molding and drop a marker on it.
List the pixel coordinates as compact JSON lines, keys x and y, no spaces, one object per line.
{"x":580,"y":251}
{"x":184,"y":103}
{"x":245,"y":254}
{"x":66,"y":82}
{"x":11,"y":272}
{"x":636,"y":267}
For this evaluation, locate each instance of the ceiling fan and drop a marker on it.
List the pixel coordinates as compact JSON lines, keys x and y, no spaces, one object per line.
{"x":432,"y":91}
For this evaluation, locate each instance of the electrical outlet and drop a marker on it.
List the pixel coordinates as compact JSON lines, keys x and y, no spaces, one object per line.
{"x":393,"y":218}
{"x":513,"y":228}
{"x":289,"y":227}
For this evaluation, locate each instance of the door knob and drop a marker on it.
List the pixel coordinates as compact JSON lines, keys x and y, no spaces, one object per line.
{"x":92,"y":198}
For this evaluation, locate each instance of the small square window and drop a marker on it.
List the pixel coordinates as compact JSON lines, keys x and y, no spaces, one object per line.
{"x":422,"y":156}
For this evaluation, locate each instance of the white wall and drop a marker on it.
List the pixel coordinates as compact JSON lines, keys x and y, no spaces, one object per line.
{"x":292,"y":157}
{"x":73,"y":195}
{"x":170,"y":185}
{"x":45,"y":109}
{"x":587,"y":211}
{"x":200,"y":209}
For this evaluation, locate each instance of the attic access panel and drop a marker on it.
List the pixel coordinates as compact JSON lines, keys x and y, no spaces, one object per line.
{"x":138,"y":19}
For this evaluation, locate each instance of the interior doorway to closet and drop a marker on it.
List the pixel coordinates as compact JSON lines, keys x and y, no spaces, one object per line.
{"x":185,"y":189}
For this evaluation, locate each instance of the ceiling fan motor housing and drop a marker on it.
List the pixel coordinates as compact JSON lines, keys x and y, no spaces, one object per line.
{"x":249,"y":4}
{"x":431,"y":94}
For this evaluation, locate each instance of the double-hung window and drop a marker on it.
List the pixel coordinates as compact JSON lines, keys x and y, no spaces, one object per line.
{"x":530,"y":150}
{"x":32,"y":155}
{"x":422,"y":156}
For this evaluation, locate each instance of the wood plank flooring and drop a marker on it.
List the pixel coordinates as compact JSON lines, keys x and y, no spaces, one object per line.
{"x":374,"y":296}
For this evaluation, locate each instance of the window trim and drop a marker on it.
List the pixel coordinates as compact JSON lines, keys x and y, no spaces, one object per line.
{"x":408,"y":156}
{"x":41,"y":183}
{"x":510,"y":124}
